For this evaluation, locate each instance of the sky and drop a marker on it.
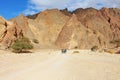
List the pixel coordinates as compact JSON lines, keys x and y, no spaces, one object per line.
{"x":12,"y":8}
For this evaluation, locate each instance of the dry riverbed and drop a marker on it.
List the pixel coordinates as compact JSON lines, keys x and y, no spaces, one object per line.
{"x":53,"y":65}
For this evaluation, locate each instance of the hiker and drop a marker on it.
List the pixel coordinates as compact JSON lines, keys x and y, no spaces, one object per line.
{"x":64,"y":51}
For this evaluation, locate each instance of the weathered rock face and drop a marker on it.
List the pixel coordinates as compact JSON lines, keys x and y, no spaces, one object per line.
{"x":112,"y":15}
{"x":82,"y":28}
{"x":104,"y":24}
{"x":66,"y":12}
{"x":47,"y":26}
{"x":9,"y":32}
{"x":72,"y":34}
{"x":2,"y":27}
{"x":22,"y":23}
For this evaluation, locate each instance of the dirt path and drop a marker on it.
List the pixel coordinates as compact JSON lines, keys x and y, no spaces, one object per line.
{"x":57,"y":66}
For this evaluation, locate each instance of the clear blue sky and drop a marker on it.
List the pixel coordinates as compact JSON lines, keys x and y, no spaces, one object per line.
{"x":13,"y":8}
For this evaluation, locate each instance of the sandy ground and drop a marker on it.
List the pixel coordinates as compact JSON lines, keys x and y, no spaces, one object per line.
{"x":52,"y":65}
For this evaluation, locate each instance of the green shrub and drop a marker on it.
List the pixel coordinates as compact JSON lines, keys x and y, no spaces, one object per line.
{"x":21,"y":44}
{"x":94,"y":48}
{"x":35,"y":41}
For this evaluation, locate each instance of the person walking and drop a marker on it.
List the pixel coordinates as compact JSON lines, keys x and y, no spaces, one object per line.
{"x":64,"y":51}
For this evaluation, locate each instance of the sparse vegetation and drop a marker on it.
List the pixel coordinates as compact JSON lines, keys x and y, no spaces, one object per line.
{"x":76,"y":47}
{"x":75,"y":52}
{"x":21,"y":45}
{"x":94,"y":48}
{"x":35,"y":41}
{"x":116,"y":42}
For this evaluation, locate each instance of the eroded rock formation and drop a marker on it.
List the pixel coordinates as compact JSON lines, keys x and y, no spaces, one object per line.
{"x":9,"y":33}
{"x":82,"y":28}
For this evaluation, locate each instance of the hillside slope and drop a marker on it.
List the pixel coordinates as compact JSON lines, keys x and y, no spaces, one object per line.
{"x":82,"y":28}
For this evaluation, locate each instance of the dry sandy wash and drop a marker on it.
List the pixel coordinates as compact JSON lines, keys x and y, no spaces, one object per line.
{"x":53,"y":65}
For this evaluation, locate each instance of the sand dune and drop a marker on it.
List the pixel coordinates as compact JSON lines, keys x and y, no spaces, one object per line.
{"x":52,"y":65}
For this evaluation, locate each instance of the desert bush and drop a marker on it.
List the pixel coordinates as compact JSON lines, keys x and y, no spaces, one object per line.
{"x":76,"y":47}
{"x":35,"y":41}
{"x":21,"y":45}
{"x":94,"y":48}
{"x":74,"y":52}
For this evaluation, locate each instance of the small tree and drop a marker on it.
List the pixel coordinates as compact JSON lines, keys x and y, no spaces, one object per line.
{"x":21,"y":44}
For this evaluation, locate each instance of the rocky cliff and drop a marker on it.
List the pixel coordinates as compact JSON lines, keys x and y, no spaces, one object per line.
{"x":9,"y":32}
{"x":82,"y":28}
{"x":103,"y":25}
